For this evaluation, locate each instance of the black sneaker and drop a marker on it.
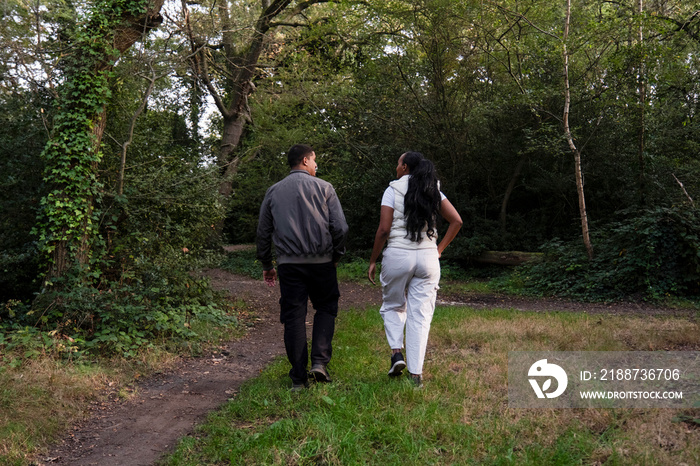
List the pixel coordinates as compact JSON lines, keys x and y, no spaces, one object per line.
{"x":319,"y":373}
{"x":398,"y":364}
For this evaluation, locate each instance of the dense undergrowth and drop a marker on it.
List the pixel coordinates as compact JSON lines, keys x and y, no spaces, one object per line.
{"x":652,"y":255}
{"x":165,"y":306}
{"x":80,"y":342}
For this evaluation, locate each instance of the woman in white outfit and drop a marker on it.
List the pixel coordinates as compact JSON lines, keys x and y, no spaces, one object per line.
{"x":410,"y":265}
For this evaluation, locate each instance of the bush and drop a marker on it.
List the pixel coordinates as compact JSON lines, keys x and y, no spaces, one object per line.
{"x":648,"y":254}
{"x":164,"y":305}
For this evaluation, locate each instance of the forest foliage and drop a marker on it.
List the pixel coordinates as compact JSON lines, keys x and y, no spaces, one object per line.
{"x":478,"y":87}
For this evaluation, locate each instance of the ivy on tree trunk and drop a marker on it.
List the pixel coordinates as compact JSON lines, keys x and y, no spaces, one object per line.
{"x":67,"y":226}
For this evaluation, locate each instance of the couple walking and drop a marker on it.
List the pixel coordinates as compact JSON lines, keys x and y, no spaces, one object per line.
{"x":302,"y":216}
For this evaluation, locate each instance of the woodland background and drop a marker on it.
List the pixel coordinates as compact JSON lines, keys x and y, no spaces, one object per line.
{"x":137,"y":137}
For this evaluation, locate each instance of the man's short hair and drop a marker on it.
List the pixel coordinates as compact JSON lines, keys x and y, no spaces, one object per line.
{"x":297,"y":153}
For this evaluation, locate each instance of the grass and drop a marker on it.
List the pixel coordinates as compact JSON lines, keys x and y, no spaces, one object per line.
{"x":243,"y":262}
{"x":462,"y":415}
{"x":355,"y":270}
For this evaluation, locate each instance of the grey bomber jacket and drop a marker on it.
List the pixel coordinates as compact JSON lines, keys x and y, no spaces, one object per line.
{"x":303,"y":217}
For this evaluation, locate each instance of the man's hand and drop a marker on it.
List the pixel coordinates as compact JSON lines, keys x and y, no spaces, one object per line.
{"x":270,"y":277}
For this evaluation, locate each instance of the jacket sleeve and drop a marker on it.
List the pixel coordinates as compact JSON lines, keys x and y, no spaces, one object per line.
{"x":264,"y":234}
{"x":337,"y":225}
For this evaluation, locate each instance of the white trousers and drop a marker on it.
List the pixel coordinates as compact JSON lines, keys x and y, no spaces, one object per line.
{"x":409,"y":281}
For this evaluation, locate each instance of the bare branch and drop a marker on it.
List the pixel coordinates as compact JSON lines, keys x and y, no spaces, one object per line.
{"x":684,"y":25}
{"x":201,"y":58}
{"x":275,"y":8}
{"x":283,"y":23}
{"x":199,"y":63}
{"x":683,"y":188}
{"x":524,"y":18}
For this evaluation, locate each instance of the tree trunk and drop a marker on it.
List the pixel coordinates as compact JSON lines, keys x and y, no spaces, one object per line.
{"x":68,"y":242}
{"x":235,"y":113}
{"x":228,"y":162}
{"x":238,"y":112}
{"x":569,"y":138}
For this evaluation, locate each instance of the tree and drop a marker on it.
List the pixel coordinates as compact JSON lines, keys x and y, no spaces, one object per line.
{"x":570,"y":139}
{"x":67,"y":227}
{"x":227,"y":45}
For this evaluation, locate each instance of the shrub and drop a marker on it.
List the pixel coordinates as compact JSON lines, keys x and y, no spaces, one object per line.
{"x":18,"y":272}
{"x":650,"y":254}
{"x":117,"y":318}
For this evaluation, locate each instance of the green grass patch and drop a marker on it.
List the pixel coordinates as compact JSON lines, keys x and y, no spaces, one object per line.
{"x":354,"y":270}
{"x":461,"y":416}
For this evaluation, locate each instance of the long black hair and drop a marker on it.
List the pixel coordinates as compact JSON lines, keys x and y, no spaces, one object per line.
{"x":422,"y":200}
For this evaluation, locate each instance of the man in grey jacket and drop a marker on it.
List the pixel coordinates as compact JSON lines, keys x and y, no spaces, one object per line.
{"x":302,"y":216}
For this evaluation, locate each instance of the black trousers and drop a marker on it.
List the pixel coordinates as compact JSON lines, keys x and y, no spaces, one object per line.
{"x":298,"y":284}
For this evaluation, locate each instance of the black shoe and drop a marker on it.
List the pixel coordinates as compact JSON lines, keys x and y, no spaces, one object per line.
{"x":398,"y":364}
{"x":319,"y":373}
{"x":416,"y":379}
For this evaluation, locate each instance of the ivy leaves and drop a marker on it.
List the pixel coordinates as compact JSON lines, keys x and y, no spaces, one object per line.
{"x":67,"y":227}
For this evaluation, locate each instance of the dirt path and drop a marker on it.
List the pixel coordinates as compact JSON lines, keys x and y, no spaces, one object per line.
{"x":168,"y":406}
